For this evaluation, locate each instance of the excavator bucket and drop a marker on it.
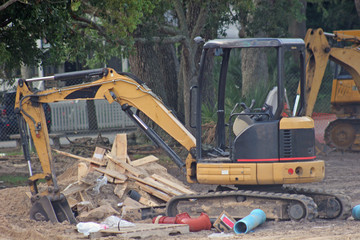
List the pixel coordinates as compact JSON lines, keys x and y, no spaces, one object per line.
{"x":45,"y":209}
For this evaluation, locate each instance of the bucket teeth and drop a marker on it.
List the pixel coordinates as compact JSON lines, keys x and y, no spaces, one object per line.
{"x":46,"y":209}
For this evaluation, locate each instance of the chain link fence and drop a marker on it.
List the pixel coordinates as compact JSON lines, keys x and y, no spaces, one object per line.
{"x":77,"y":116}
{"x":100,"y":116}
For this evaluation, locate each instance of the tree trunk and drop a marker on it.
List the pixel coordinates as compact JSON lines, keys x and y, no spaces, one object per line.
{"x":357,"y":5}
{"x":254,"y":69}
{"x":298,"y":29}
{"x":156,"y":65}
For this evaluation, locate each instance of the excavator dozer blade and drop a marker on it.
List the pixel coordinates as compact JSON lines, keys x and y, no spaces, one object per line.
{"x":45,"y":209}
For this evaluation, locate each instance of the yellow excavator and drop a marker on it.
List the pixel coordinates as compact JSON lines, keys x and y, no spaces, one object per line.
{"x":344,"y":132}
{"x":257,"y":152}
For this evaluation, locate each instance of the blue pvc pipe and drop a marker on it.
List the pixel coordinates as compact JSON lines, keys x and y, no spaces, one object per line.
{"x":356,"y":212}
{"x":251,"y":221}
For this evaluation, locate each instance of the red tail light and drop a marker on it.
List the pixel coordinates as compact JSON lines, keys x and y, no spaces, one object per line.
{"x":3,"y":112}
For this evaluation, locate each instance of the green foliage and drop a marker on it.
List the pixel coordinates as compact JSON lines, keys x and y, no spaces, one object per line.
{"x":332,"y":15}
{"x":267,"y":17}
{"x":88,"y":31}
{"x":13,"y":180}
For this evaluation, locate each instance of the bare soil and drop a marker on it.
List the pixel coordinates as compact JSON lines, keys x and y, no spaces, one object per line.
{"x":342,"y":174}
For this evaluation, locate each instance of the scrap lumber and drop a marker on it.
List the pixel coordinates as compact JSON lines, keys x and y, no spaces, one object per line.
{"x":153,"y":191}
{"x":172,"y":184}
{"x":165,"y":188}
{"x":74,"y":188}
{"x":154,"y":167}
{"x":144,"y":230}
{"x":144,"y":160}
{"x":78,"y":157}
{"x":131,"y":203}
{"x":120,"y":189}
{"x":82,"y":170}
{"x":147,"y":202}
{"x":113,"y":167}
{"x":152,"y":183}
{"x":112,"y":173}
{"x":119,"y":147}
{"x":99,"y":154}
{"x":133,"y":170}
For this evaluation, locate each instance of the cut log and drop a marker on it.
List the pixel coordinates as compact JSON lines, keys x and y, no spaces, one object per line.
{"x":144,"y":160}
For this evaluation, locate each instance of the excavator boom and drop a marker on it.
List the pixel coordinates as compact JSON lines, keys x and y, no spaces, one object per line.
{"x":128,"y":92}
{"x":341,"y":133}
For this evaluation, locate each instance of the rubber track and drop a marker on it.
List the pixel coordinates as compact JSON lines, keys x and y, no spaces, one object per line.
{"x":344,"y":200}
{"x":307,"y":202}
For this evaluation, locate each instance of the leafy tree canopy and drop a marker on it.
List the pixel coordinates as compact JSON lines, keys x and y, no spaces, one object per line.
{"x":74,"y":29}
{"x":332,"y":15}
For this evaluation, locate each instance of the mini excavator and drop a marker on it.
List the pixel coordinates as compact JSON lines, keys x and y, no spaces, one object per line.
{"x":258,"y":152}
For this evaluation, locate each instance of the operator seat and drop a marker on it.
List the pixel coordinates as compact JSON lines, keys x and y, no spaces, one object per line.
{"x":243,"y":121}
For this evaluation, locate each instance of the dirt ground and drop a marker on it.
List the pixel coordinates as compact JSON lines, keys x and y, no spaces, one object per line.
{"x":342,"y":174}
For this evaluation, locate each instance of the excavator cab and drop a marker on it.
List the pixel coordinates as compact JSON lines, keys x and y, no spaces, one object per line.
{"x":255,"y":133}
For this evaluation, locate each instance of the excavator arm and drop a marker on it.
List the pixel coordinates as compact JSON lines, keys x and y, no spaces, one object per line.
{"x":319,"y":51}
{"x":124,"y":89}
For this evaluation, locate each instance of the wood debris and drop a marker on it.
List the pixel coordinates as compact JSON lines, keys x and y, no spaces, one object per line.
{"x":114,"y":173}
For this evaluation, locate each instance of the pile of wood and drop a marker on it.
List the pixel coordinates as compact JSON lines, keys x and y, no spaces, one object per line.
{"x":138,"y":185}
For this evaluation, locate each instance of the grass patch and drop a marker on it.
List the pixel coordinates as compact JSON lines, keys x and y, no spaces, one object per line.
{"x":11,"y":180}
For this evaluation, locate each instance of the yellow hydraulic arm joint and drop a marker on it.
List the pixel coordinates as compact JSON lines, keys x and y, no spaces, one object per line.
{"x":318,"y":52}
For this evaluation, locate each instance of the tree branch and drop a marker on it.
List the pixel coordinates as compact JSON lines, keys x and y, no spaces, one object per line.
{"x":165,"y":40}
{"x":169,"y":30}
{"x":181,"y":16}
{"x":6,"y":4}
{"x":200,"y":22}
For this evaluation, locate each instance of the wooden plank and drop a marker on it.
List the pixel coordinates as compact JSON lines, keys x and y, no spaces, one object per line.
{"x":111,"y":173}
{"x":78,"y":157}
{"x":75,"y":188}
{"x":165,"y":188}
{"x":82,"y":170}
{"x":144,"y":230}
{"x":134,"y":171}
{"x":144,"y":160}
{"x":154,"y":191}
{"x":154,"y":184}
{"x":119,"y":189}
{"x":131,"y":203}
{"x":172,"y":184}
{"x":119,"y":148}
{"x":99,"y":154}
{"x":148,"y":202}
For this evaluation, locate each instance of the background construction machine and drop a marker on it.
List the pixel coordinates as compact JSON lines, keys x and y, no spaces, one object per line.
{"x":256,"y":152}
{"x":343,"y":48}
